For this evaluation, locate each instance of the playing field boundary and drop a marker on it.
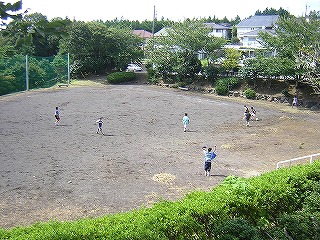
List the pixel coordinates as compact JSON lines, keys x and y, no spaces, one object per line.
{"x":311,"y":158}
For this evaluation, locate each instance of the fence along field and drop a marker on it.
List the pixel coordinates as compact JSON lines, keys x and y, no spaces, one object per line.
{"x":21,"y":73}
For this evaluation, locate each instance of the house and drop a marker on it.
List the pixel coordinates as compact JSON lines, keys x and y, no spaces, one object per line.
{"x":248,"y":29}
{"x":162,"y":32}
{"x":219,"y":30}
{"x":143,"y":34}
{"x":251,"y":39}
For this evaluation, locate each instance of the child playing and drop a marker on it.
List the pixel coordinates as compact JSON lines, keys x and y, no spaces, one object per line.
{"x":100,"y":122}
{"x":254,"y":114}
{"x":185,"y":121}
{"x":56,"y":116}
{"x":247,"y":115}
{"x":209,"y":155}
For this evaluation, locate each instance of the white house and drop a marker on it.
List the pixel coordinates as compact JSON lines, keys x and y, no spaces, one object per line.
{"x":248,"y":29}
{"x":162,"y":32}
{"x":219,"y":30}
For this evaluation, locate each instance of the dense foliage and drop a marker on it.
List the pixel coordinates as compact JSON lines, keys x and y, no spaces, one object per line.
{"x":177,"y":52}
{"x":250,"y":93}
{"x":296,"y":41}
{"x":42,"y":72}
{"x":120,"y":77}
{"x":9,"y":11}
{"x":283,"y":204}
{"x":95,"y":48}
{"x":224,"y":85}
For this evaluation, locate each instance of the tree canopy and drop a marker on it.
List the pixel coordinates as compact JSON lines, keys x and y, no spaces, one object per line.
{"x":9,"y":10}
{"x":298,"y":40}
{"x":178,"y":51}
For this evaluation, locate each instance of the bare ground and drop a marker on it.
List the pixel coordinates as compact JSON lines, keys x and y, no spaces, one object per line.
{"x":67,"y":172}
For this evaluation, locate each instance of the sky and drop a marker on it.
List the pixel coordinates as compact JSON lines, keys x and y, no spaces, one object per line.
{"x":176,"y":10}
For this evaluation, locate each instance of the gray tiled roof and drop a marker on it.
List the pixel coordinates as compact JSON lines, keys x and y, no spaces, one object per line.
{"x":259,"y":21}
{"x":216,"y":26}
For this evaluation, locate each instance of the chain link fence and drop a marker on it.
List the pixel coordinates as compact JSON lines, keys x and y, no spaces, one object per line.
{"x":21,"y":73}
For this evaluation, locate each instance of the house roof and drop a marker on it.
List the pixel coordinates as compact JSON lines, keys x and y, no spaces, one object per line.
{"x":142,"y":33}
{"x":259,"y":21}
{"x":216,"y":26}
{"x":162,"y":32}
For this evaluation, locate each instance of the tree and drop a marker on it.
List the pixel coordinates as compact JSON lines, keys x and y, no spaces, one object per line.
{"x":298,"y":40}
{"x":35,"y":35}
{"x":95,"y":48}
{"x":273,"y":11}
{"x":9,"y":7}
{"x":234,"y":34}
{"x":231,"y":63}
{"x":180,"y":48}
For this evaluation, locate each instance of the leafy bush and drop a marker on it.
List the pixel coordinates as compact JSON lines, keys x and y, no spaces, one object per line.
{"x":120,"y":77}
{"x":212,"y":71}
{"x":222,"y":87}
{"x":7,"y":85}
{"x":236,"y":229}
{"x":250,"y":93}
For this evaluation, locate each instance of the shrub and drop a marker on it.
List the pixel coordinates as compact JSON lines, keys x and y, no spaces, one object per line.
{"x":222,"y":87}
{"x":250,"y":93}
{"x":236,"y":229}
{"x":211,"y":72}
{"x":233,"y":82}
{"x":120,"y":77}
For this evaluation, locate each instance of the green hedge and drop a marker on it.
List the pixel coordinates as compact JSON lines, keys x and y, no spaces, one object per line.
{"x":120,"y":77}
{"x":250,"y":93}
{"x":224,"y":85}
{"x":267,"y":207}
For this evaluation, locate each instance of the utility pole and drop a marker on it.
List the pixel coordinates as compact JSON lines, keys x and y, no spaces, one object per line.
{"x":154,"y":16}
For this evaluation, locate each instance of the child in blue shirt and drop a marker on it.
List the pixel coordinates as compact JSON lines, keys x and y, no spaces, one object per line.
{"x":185,"y":121}
{"x":209,"y":155}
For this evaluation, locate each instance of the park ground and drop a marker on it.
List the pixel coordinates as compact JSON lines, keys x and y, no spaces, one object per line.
{"x":69,"y":171}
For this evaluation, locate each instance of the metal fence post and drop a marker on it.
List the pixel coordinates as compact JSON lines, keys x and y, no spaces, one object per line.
{"x":68,"y":69}
{"x":27,"y":75}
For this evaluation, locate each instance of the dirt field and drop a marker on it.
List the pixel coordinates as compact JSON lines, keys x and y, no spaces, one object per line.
{"x":67,"y":172}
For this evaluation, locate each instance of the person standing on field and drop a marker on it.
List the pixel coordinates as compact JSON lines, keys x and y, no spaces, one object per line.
{"x":185,"y":121}
{"x":247,"y":116}
{"x":57,"y":116}
{"x":295,"y":101}
{"x":254,"y":114}
{"x":209,"y":155}
{"x":100,"y":122}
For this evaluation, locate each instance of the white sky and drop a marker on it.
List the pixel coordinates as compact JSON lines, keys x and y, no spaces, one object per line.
{"x":176,"y":10}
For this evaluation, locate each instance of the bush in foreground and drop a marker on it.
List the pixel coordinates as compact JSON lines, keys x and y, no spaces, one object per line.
{"x":283,"y":204}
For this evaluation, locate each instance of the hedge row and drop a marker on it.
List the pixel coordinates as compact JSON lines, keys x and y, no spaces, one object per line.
{"x":120,"y":77}
{"x":277,"y":205}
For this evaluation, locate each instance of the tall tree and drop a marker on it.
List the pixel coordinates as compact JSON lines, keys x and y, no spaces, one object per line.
{"x":35,"y":35}
{"x":298,"y":39}
{"x":180,"y":48}
{"x":95,"y":48}
{"x":9,"y":10}
{"x":272,"y":11}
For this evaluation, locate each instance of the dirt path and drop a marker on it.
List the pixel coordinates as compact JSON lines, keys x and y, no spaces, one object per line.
{"x":68,"y":171}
